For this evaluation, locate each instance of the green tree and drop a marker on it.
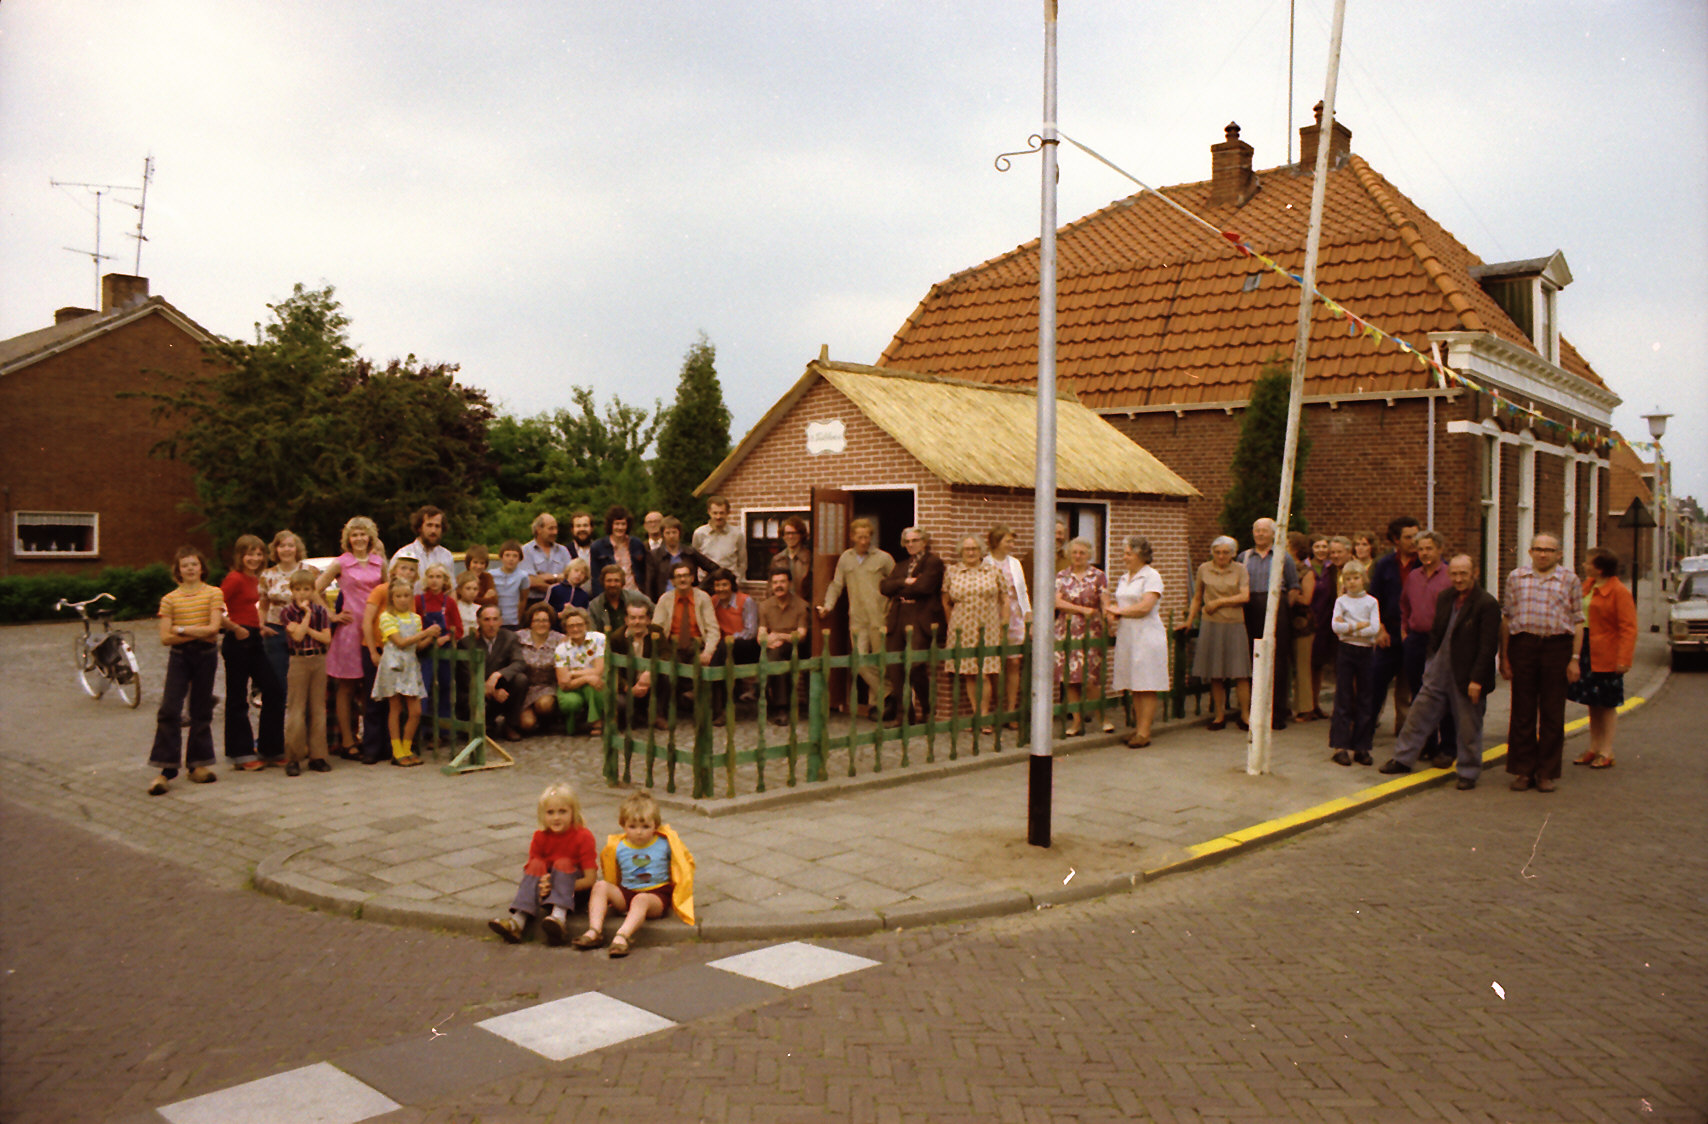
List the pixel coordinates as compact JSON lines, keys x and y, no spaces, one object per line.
{"x":693,"y":437}
{"x":1257,"y":458}
{"x":296,"y":430}
{"x":568,"y":459}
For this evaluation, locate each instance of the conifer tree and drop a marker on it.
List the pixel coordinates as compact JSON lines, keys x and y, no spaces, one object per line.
{"x":693,"y":437}
{"x":1257,"y":458}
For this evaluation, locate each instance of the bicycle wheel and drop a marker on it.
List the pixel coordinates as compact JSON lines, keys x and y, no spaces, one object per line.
{"x":92,"y":679}
{"x":129,"y":677}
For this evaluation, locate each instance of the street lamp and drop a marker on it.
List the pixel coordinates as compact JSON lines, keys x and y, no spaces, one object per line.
{"x":1657,"y":429}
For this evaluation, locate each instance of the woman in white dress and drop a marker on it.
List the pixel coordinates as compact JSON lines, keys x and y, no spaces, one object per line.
{"x":1141,"y":641}
{"x":1001,"y":541}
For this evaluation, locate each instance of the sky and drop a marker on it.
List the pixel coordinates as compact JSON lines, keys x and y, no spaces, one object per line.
{"x":554,"y":193}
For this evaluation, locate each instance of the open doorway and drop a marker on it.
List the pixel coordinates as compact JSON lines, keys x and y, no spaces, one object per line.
{"x":891,"y":511}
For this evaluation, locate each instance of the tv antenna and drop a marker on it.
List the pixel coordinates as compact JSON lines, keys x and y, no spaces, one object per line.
{"x":100,"y":191}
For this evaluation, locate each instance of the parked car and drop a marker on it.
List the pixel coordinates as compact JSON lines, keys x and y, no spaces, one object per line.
{"x":1687,"y":619}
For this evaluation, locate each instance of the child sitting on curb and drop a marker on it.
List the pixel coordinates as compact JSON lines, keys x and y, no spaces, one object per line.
{"x":559,"y":872}
{"x":645,"y":869}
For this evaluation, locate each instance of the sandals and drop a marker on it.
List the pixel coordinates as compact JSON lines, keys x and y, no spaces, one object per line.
{"x":620,"y":947}
{"x":1135,"y":742}
{"x":588,"y":940}
{"x":407,"y":761}
{"x":508,"y":928}
{"x":1602,"y":761}
{"x":1587,"y":757}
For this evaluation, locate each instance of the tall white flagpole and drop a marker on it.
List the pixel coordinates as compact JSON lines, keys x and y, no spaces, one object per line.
{"x":1262,"y":681}
{"x":1044,"y":479}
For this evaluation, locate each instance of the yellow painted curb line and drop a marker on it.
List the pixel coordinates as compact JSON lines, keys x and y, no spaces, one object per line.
{"x":1321,"y":813}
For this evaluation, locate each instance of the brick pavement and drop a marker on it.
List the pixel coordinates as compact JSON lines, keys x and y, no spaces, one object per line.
{"x":415,"y":846}
{"x":1346,"y":974}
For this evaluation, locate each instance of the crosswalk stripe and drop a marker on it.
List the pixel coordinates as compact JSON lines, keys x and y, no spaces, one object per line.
{"x":314,"y":1094}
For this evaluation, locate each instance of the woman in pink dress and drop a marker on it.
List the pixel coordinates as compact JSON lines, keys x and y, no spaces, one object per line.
{"x":358,"y":569}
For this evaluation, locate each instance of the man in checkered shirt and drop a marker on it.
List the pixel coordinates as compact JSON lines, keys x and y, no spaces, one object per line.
{"x":1541,"y":629}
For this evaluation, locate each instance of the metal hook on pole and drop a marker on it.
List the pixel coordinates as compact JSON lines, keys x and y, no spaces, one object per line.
{"x":1003,"y":163}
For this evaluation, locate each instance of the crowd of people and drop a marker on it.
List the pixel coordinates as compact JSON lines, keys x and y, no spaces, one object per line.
{"x":545,"y":617}
{"x":1414,"y":619}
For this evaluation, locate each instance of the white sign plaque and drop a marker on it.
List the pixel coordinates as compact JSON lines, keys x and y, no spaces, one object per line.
{"x":825,"y":437}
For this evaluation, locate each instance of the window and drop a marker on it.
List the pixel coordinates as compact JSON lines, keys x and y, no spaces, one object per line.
{"x":56,"y":534}
{"x":764,"y":539}
{"x":1087,"y":521}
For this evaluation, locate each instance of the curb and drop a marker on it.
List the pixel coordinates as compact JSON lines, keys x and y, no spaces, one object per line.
{"x":739,"y":923}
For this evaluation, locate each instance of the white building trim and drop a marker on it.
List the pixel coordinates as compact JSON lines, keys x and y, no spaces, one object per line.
{"x":1524,"y":375}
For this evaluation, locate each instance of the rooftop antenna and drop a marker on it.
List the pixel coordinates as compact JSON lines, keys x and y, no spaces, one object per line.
{"x":99,"y":190}
{"x":1290,"y":6}
{"x":141,"y":211}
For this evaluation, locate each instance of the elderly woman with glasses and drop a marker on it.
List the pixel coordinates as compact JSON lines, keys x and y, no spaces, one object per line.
{"x":1219,"y":593}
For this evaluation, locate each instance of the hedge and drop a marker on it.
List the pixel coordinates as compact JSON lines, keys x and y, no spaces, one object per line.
{"x":138,"y":592}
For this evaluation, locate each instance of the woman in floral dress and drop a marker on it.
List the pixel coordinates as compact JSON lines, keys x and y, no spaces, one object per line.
{"x":1080,"y":590}
{"x":975,"y":596}
{"x":539,"y":654}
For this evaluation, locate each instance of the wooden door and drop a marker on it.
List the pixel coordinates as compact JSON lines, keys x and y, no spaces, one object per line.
{"x":832,"y":510}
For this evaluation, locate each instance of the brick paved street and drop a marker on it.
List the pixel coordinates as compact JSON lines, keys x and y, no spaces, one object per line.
{"x":1346,"y":974}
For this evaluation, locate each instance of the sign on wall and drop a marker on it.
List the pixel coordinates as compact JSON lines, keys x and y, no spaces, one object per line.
{"x":826,"y":437}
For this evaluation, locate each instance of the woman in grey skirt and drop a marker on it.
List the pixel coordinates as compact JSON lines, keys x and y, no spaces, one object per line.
{"x":1224,"y":652}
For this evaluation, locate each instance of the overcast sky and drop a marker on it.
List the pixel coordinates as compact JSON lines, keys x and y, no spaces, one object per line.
{"x":555,"y":192}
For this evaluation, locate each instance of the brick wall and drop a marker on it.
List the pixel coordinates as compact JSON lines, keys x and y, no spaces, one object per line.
{"x":1366,"y":465}
{"x":73,"y":445}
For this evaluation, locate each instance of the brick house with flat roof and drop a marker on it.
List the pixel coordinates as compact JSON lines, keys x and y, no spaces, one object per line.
{"x":81,"y":489}
{"x":1163,"y":327}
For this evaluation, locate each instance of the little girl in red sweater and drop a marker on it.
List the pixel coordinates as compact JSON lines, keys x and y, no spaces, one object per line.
{"x":562,"y":865}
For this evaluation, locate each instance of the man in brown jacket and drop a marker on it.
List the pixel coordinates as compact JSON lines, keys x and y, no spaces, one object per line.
{"x":915,"y":590}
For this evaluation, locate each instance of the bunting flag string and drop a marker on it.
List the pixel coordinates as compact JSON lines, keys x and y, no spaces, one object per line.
{"x":1358,"y":327}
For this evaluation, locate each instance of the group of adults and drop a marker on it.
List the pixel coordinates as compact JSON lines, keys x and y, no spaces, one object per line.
{"x":1441,"y":642}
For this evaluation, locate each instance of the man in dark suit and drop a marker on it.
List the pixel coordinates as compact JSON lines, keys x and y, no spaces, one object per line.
{"x":915,"y":590}
{"x":1458,"y":675}
{"x":506,"y":683}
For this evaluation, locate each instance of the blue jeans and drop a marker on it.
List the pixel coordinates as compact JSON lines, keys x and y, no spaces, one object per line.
{"x":190,"y":670}
{"x":1354,"y":723}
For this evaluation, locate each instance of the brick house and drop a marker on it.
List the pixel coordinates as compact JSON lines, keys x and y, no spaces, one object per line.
{"x":81,"y":490}
{"x":951,"y":456}
{"x":1163,"y":328}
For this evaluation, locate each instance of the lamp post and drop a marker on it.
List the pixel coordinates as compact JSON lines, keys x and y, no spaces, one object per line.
{"x":1663,"y":510}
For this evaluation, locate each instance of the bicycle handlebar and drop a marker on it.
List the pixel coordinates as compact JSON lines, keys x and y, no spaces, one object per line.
{"x":62,"y":603}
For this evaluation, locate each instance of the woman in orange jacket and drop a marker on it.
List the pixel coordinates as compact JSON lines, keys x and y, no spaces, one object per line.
{"x":1610,"y":628}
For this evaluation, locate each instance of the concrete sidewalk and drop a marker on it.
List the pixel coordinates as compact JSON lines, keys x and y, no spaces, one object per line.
{"x":899,"y":849}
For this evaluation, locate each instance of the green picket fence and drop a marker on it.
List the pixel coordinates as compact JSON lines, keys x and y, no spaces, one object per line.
{"x":466,"y":724}
{"x":810,"y":744}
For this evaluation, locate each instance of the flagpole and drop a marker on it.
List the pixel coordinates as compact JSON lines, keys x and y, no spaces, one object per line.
{"x":1262,"y":681}
{"x":1041,"y":776}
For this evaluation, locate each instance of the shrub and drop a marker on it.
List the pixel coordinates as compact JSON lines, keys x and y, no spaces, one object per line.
{"x":138,"y":592}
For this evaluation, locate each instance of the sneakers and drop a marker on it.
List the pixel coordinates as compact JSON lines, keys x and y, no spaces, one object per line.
{"x":1392,"y":767}
{"x":508,"y":927}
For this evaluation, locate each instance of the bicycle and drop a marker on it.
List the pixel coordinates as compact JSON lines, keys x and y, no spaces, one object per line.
{"x":104,"y":658}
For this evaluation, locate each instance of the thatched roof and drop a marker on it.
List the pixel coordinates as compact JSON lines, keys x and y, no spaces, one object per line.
{"x":976,"y":434}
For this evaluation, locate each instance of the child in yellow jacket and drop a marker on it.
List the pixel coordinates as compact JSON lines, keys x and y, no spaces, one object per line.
{"x":645,"y":870}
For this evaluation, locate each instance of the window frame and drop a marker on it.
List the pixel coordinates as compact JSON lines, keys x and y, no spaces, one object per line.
{"x":87,"y":519}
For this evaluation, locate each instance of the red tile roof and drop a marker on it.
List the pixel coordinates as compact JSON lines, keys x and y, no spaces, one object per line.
{"x":1153,"y":309}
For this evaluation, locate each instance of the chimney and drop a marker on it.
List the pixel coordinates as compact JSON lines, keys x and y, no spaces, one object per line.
{"x":121,"y":290}
{"x":69,"y":313}
{"x":1340,"y":145}
{"x":1232,"y":183}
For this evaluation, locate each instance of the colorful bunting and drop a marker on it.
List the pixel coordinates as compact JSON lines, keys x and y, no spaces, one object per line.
{"x":1357,"y":327}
